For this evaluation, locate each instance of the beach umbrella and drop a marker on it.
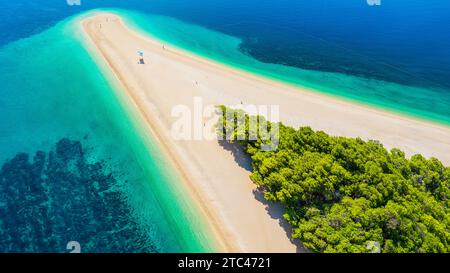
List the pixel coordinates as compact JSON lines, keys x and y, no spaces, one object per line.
{"x":141,"y":53}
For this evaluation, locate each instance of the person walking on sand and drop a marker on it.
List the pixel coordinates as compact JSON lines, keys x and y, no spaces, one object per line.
{"x":141,"y":57}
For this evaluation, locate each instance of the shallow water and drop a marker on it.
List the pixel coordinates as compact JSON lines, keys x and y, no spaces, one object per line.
{"x":432,"y":103}
{"x":51,"y":90}
{"x":395,"y":56}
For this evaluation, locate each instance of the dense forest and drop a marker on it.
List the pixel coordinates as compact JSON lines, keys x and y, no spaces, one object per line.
{"x":348,"y":195}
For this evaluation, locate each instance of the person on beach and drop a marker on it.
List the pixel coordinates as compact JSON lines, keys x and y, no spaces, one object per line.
{"x":141,"y":57}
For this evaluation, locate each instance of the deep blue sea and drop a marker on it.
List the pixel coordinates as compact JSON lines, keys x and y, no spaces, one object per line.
{"x":74,"y":165}
{"x":405,"y":41}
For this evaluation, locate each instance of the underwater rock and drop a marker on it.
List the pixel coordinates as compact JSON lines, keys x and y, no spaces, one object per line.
{"x":58,"y":197}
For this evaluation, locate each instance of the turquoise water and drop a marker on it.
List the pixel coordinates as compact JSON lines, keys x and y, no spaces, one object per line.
{"x":431,"y":103}
{"x":395,"y":57}
{"x":52,"y":90}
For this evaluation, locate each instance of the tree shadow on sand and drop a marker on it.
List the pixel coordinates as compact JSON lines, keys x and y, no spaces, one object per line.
{"x":274,"y":210}
{"x":242,"y":159}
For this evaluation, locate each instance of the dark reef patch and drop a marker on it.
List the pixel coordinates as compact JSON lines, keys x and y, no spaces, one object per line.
{"x":59,"y":197}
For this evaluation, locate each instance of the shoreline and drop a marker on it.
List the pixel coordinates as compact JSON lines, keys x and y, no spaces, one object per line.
{"x":147,"y":129}
{"x":285,"y":83}
{"x":221,"y":204}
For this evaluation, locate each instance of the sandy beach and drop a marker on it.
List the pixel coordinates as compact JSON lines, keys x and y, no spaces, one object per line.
{"x":217,"y":175}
